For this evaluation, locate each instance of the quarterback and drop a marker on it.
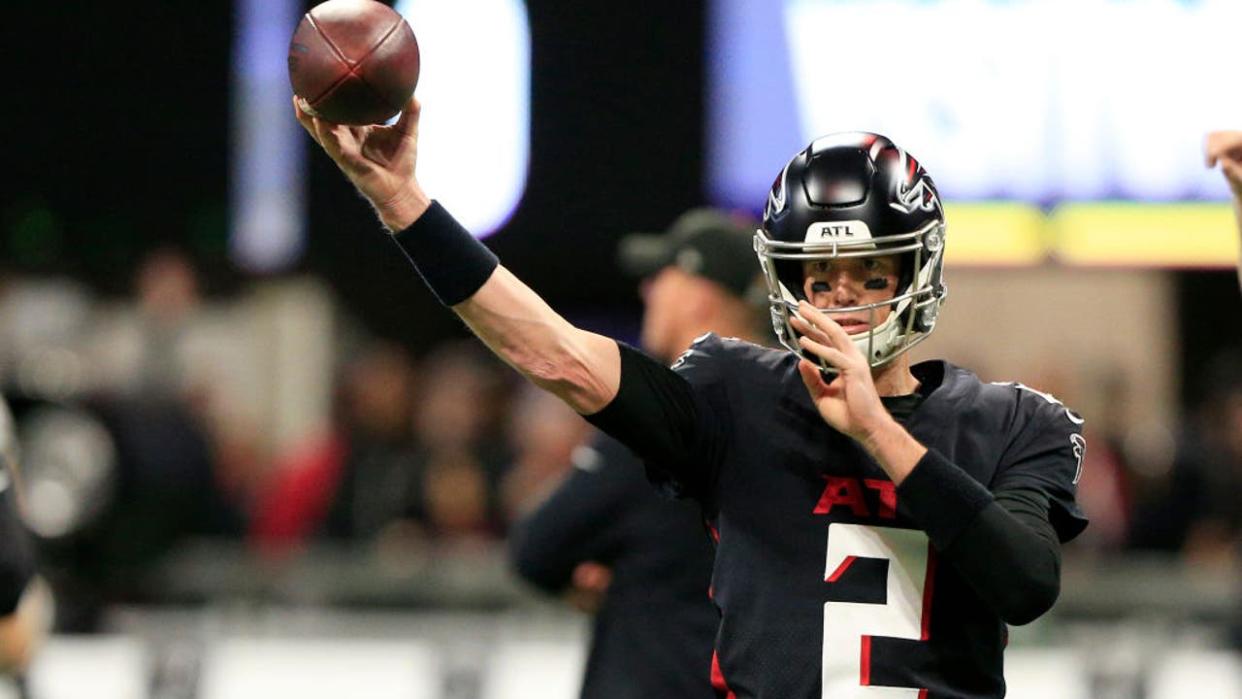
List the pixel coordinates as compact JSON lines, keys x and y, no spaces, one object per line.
{"x":878,"y":523}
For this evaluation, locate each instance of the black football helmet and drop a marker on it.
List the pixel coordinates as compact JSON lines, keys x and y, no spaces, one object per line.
{"x":856,"y":195}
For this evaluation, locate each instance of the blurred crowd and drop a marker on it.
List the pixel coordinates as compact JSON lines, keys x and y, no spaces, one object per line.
{"x":138,"y":436}
{"x":136,"y":439}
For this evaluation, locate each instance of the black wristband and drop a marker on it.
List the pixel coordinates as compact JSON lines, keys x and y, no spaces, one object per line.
{"x":452,"y":263}
{"x":941,"y":498}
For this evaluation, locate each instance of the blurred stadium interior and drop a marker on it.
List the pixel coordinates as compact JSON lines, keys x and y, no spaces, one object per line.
{"x":260,"y":459}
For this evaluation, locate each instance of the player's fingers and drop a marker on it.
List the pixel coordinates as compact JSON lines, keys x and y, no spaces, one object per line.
{"x":358,"y":133}
{"x":338,"y":140}
{"x":820,"y":338}
{"x":305,"y":119}
{"x":831,"y":355}
{"x":326,"y":137}
{"x":805,"y":327}
{"x":812,"y":378}
{"x":834,"y":334}
{"x":407,"y":123}
{"x":809,"y":320}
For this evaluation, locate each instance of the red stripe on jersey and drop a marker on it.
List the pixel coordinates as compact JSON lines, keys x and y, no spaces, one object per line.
{"x":922,"y":694}
{"x":718,"y":680}
{"x":849,"y":561}
{"x":864,"y":662}
{"x":928,"y":586}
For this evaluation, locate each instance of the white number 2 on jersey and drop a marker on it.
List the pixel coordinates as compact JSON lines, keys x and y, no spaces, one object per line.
{"x":849,"y":626}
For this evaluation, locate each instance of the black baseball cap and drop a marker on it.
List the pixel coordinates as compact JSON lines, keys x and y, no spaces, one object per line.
{"x":706,"y":242}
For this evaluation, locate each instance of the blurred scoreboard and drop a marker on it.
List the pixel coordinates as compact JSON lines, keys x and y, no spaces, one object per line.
{"x":1039,"y":103}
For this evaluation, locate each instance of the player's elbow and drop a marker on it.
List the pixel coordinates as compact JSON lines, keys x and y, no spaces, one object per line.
{"x":1031,"y":600}
{"x":572,"y":372}
{"x":533,"y":564}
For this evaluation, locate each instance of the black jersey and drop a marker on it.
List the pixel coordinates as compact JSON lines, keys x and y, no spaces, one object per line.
{"x":825,"y":586}
{"x":653,"y":636}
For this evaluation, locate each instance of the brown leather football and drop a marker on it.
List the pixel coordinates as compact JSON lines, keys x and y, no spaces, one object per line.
{"x":353,"y":61}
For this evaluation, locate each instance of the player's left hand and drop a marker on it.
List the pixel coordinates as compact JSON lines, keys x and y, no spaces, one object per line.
{"x":1224,"y":148}
{"x":850,"y":403}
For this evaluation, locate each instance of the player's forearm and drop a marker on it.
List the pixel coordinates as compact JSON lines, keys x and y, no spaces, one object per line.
{"x":894,"y":449}
{"x":403,"y":208}
{"x":581,"y":368}
{"x":1005,"y":548}
{"x":1011,"y":556}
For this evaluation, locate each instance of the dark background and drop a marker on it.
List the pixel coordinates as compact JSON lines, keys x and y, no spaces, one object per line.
{"x":117,"y":143}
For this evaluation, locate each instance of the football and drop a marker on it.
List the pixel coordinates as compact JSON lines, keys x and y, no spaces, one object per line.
{"x":353,"y":61}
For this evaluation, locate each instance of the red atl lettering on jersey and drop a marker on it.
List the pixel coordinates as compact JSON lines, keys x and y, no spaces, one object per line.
{"x":842,"y":491}
{"x":848,"y":492}
{"x":888,"y":496}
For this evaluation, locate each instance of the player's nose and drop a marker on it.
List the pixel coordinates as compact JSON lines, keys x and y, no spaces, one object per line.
{"x":844,"y":289}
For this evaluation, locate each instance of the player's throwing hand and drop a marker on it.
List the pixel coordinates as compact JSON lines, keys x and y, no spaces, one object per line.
{"x":379,"y":160}
{"x":850,"y":403}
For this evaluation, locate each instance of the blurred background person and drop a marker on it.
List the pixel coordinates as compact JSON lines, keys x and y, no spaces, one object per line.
{"x":357,"y":475}
{"x":462,"y":445}
{"x":604,"y":537}
{"x":544,"y":435}
{"x":413,"y":456}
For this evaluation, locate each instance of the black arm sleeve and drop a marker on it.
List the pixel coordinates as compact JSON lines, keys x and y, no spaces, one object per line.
{"x":577,"y":523}
{"x":1003,"y":544}
{"x":660,"y":416}
{"x":1011,"y":556}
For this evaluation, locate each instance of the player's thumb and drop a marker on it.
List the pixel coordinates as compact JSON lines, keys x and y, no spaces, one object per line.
{"x":811,"y":378}
{"x":407,"y":123}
